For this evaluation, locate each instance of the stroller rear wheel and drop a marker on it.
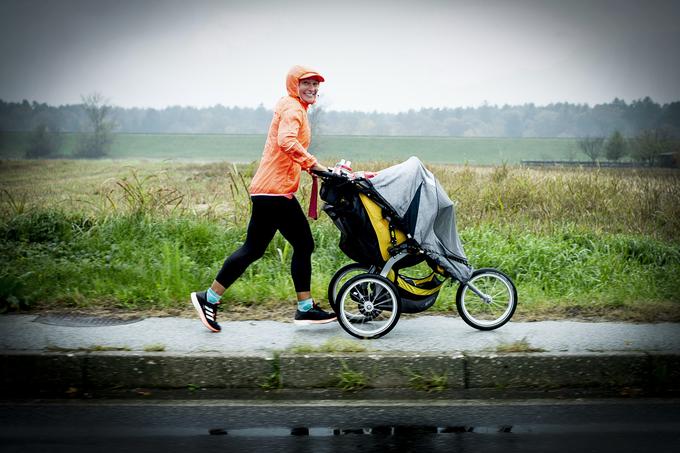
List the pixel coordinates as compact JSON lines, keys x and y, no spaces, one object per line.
{"x":487,"y":300}
{"x":368,"y":306}
{"x":340,"y":278}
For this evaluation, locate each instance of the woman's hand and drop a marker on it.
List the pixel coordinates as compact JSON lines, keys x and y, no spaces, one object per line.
{"x":319,"y":167}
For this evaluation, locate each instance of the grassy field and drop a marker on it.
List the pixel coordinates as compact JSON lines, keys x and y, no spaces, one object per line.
{"x":247,"y":148}
{"x":140,"y":235}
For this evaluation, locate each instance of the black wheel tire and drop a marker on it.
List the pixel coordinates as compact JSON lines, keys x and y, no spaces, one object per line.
{"x":505,"y":317}
{"x":396,"y":301}
{"x":333,"y":288}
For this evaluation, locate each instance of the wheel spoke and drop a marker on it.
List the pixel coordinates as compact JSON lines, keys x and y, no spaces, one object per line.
{"x":500,"y":292}
{"x":497,"y":305}
{"x":377,"y":292}
{"x":385,"y":300}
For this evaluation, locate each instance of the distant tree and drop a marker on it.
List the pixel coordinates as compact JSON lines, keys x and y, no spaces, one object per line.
{"x":514,"y":125}
{"x":644,"y":114}
{"x":43,"y":142}
{"x":592,"y":147}
{"x":454,"y":127}
{"x":616,"y":147}
{"x":671,"y":118}
{"x":97,"y":142}
{"x":649,"y":144}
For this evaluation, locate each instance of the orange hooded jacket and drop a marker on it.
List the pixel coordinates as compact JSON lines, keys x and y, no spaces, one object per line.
{"x":285,"y":151}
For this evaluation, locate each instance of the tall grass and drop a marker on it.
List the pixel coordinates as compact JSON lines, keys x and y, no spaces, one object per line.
{"x":639,"y":201}
{"x":635,"y":201}
{"x":587,"y":243}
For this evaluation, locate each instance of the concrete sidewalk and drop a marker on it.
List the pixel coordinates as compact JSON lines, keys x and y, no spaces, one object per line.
{"x":53,"y":353}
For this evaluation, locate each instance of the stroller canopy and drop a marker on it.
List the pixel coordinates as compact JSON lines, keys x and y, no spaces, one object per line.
{"x":428,"y":213}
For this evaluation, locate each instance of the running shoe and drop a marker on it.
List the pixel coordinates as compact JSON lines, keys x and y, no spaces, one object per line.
{"x":206,"y":311}
{"x":314,"y":316}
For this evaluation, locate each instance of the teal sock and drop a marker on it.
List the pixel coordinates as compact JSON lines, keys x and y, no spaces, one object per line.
{"x":305,"y":305}
{"x":212,"y":296}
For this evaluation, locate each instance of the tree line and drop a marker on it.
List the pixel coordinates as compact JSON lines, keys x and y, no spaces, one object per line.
{"x":528,"y":120}
{"x":95,"y":120}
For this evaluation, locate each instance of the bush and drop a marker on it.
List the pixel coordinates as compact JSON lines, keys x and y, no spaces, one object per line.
{"x":42,"y":226}
{"x":616,"y":147}
{"x":650,"y":144}
{"x":43,"y":142}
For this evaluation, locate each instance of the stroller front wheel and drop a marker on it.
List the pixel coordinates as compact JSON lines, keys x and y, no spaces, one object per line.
{"x":368,"y":306}
{"x":487,"y":300}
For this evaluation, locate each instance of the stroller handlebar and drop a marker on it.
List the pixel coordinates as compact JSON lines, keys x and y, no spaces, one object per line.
{"x":329,"y":175}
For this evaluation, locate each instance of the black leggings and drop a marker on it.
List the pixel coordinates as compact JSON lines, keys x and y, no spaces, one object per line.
{"x":272,"y":213}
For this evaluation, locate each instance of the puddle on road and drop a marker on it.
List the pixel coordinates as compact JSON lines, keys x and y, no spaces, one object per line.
{"x":424,"y":430}
{"x":398,"y":430}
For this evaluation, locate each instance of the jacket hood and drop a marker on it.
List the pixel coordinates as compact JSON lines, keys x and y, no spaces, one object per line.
{"x":295,"y":74}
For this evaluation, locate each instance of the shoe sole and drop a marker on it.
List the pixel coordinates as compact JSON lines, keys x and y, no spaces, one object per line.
{"x":197,"y":306}
{"x":300,"y":322}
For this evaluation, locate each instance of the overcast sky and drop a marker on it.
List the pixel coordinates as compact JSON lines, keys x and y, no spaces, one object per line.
{"x":376,"y":55}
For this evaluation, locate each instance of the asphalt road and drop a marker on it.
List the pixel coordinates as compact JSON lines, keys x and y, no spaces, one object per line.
{"x":538,"y":425}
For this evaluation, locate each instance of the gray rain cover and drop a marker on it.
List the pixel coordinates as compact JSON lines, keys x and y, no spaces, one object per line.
{"x":416,"y":195}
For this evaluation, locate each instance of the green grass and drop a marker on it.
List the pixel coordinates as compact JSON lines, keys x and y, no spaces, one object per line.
{"x":517,"y":346}
{"x":273,"y":380}
{"x":142,"y":236}
{"x":135,"y":262}
{"x":339,"y":345}
{"x":156,"y":347}
{"x":248,"y":148}
{"x":350,"y":380}
{"x":429,"y":383}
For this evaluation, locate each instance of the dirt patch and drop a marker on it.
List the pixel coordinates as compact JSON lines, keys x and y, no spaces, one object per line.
{"x":284,"y":312}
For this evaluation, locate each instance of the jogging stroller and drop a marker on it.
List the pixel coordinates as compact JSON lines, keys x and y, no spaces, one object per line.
{"x":398,"y":219}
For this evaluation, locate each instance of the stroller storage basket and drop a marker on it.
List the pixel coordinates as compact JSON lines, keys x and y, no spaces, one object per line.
{"x":418,"y":294}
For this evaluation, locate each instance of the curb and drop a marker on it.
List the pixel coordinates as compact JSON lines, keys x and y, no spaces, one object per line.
{"x":375,"y":370}
{"x":55,"y":372}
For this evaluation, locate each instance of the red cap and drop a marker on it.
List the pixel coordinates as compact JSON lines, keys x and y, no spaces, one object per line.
{"x":312,"y":75}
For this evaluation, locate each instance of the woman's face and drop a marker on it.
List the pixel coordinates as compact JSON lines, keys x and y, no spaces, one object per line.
{"x":308,"y":89}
